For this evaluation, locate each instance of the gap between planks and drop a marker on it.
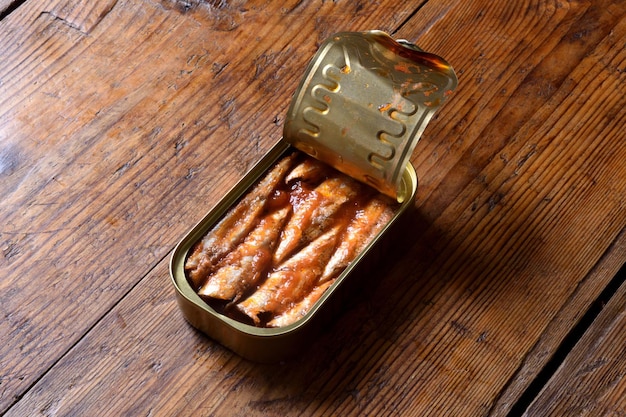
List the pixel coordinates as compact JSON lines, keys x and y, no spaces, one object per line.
{"x":8,"y":6}
{"x":571,"y":339}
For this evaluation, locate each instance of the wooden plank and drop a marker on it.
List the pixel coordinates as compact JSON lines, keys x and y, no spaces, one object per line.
{"x":559,"y":328}
{"x":522,"y":195}
{"x":82,"y":15}
{"x":7,"y":5}
{"x":558,"y":59}
{"x":121,"y":123}
{"x":591,"y":380}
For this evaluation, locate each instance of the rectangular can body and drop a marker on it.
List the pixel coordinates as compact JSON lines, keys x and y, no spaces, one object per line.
{"x":262,"y":344}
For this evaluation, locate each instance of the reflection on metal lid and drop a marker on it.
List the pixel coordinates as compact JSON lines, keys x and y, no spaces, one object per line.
{"x":363,"y":104}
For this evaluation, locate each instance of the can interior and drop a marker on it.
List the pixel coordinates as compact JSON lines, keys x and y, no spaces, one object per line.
{"x":185,"y":290}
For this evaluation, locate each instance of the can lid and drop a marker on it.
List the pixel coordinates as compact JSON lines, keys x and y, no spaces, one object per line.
{"x":363,"y":104}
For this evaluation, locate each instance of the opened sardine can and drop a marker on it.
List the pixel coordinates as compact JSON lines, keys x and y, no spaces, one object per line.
{"x":362,"y":105}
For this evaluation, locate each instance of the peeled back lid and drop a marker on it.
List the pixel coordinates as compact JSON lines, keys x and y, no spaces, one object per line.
{"x":363,"y":104}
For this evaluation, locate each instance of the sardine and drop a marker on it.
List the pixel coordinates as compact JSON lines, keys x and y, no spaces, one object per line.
{"x":235,"y":225}
{"x":313,"y":215}
{"x":291,"y":281}
{"x":301,"y":308}
{"x":309,"y":170}
{"x":241,"y":269}
{"x":360,"y":231}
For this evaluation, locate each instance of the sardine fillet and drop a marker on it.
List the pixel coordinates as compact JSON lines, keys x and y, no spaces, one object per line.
{"x":300,"y":309}
{"x":361,"y":230}
{"x":312,"y":217}
{"x":309,"y":170}
{"x":241,"y":269}
{"x":234,"y":227}
{"x":291,"y":281}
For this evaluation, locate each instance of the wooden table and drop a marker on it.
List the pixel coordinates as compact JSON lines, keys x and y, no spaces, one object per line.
{"x":123,"y":122}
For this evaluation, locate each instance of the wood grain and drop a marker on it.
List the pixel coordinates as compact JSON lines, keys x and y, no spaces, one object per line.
{"x":121,"y":123}
{"x":561,"y":326}
{"x":7,"y":5}
{"x":591,"y":381}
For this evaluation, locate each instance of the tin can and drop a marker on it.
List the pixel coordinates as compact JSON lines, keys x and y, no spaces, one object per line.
{"x":362,"y":105}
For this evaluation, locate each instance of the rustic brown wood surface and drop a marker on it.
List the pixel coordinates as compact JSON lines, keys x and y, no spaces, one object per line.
{"x":591,"y":380}
{"x":122,"y":123}
{"x":5,"y":5}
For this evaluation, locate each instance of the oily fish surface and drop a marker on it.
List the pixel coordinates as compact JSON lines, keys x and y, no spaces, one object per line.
{"x":274,"y":253}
